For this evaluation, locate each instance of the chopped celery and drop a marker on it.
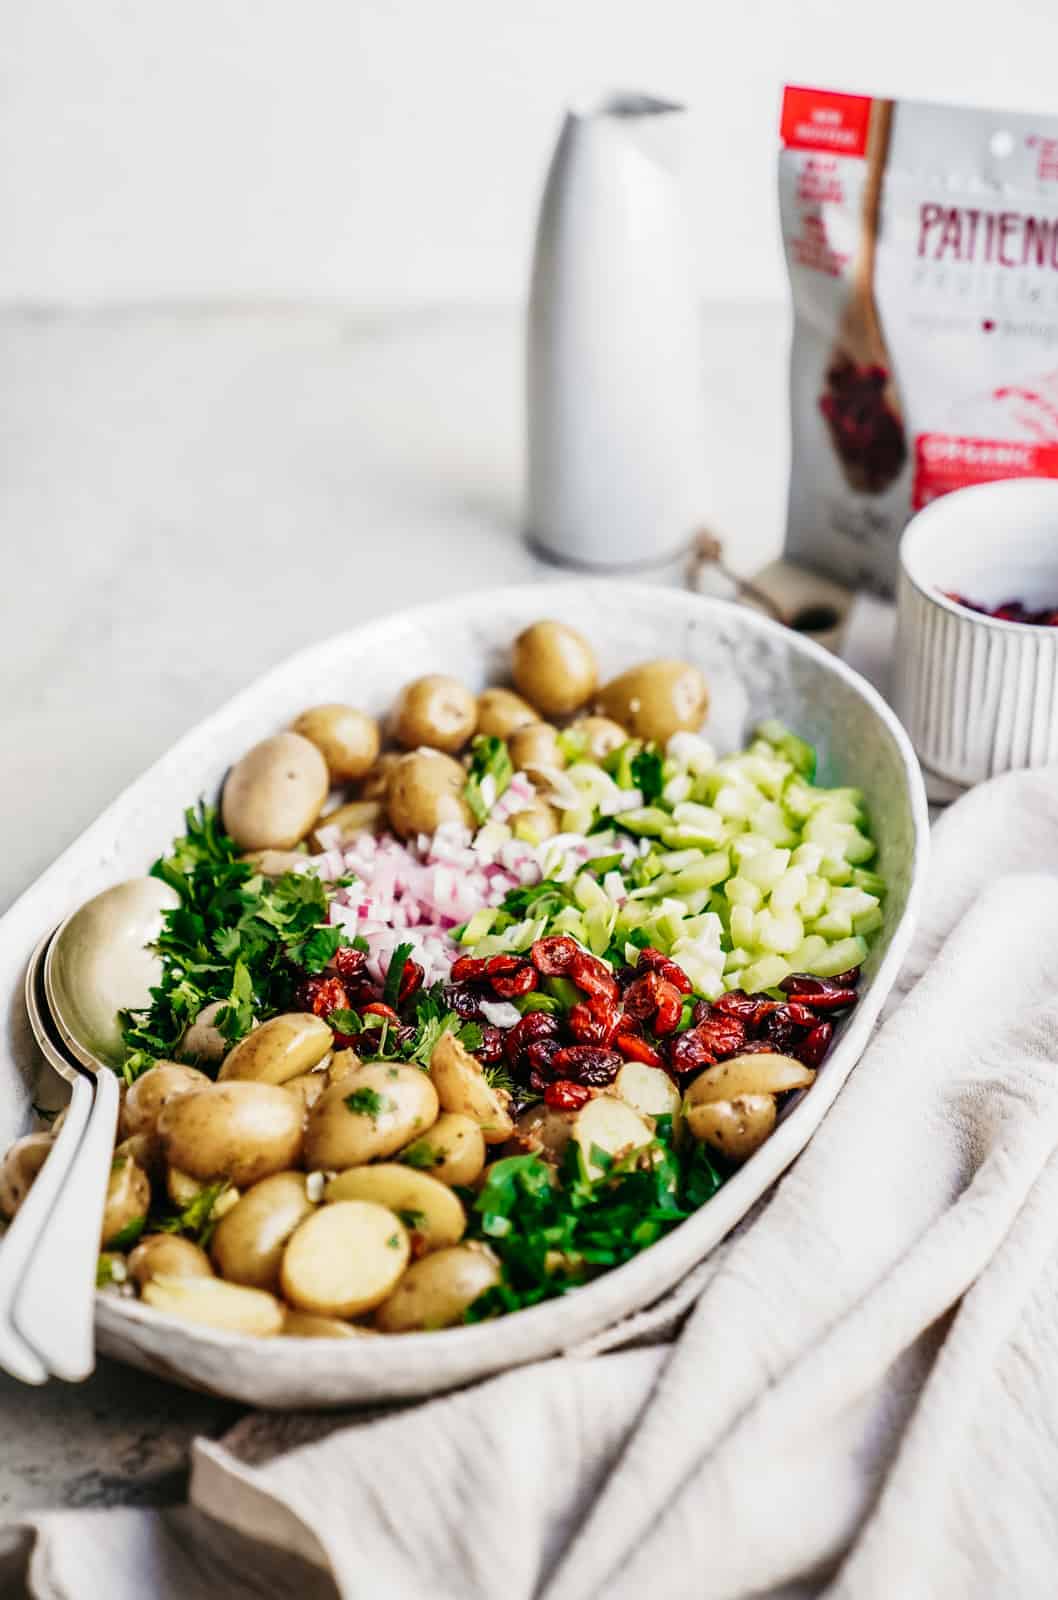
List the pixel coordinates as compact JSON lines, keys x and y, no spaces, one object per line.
{"x":864,"y":878}
{"x":567,"y":994}
{"x":649,"y":820}
{"x":797,"y":751}
{"x":478,"y":926}
{"x":740,"y":892}
{"x":767,"y":973}
{"x":840,"y":957}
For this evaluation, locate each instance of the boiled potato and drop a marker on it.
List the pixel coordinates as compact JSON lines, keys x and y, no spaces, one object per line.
{"x":146,"y":1150}
{"x":601,"y":736}
{"x":304,"y":1325}
{"x":216,"y":1304}
{"x":425,"y":789}
{"x":203,"y":1040}
{"x":167,"y":1255}
{"x":274,"y":864}
{"x":762,"y":1073}
{"x":283,"y":1048}
{"x":241,"y":1131}
{"x":538,"y":821}
{"x":340,"y":1065}
{"x":307,"y":1088}
{"x":152,"y":1091}
{"x":436,"y":1291}
{"x":648,"y":1090}
{"x":462,"y":1086}
{"x":436,"y":711}
{"x":373,"y":786}
{"x":501,"y":712}
{"x":347,"y":739}
{"x":274,"y":794}
{"x":19,"y":1168}
{"x":249,"y":1241}
{"x":543,"y":1131}
{"x":554,"y":667}
{"x":453,"y":1151}
{"x":428,"y":1209}
{"x":734,"y":1127}
{"x":607,"y":1124}
{"x":656,"y":700}
{"x":368,"y":1115}
{"x":127,"y":1200}
{"x":344,"y":1259}
{"x":534,"y":747}
{"x":359,"y":816}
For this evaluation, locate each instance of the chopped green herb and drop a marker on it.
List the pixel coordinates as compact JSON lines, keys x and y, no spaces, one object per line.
{"x":126,"y":1237}
{"x":343,"y":1021}
{"x":413,"y":1220}
{"x":647,"y":774}
{"x":394,"y":1241}
{"x":369,"y":1103}
{"x":491,"y":771}
{"x":196,"y":1220}
{"x":421,"y":1155}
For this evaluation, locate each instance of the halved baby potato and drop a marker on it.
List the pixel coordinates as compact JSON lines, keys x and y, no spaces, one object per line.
{"x":762,"y":1073}
{"x":436,"y":1291}
{"x":453,"y":1151}
{"x":216,"y":1304}
{"x":344,"y":1259}
{"x":19,"y":1168}
{"x":306,"y":1325}
{"x":369,"y":1114}
{"x":249,"y":1240}
{"x":428,"y":1209}
{"x":608,"y":1125}
{"x":167,"y":1255}
{"x":648,"y":1090}
{"x":462,"y":1087}
{"x":283,"y":1048}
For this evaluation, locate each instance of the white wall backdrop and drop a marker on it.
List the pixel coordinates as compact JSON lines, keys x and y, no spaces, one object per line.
{"x":389,"y":152}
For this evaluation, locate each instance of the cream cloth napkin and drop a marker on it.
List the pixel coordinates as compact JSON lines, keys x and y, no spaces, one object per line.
{"x":862,"y":1400}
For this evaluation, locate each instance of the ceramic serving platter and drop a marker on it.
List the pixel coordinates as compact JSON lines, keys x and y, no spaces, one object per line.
{"x":755,"y":669}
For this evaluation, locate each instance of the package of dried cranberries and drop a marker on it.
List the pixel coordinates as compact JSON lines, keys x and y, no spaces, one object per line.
{"x":922,"y":247}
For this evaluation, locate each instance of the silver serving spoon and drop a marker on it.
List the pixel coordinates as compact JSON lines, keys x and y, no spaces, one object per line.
{"x":95,"y":965}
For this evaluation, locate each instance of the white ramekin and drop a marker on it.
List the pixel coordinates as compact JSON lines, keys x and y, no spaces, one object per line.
{"x":979,"y":696}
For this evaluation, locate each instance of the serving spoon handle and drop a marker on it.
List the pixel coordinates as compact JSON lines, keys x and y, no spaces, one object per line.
{"x":55,"y":1300}
{"x":23,"y":1238}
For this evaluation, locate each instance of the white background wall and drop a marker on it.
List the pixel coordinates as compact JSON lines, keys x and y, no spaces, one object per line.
{"x":389,"y":152}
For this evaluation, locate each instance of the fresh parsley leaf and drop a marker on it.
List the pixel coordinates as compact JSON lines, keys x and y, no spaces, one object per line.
{"x":196,"y":1219}
{"x":647,"y":774}
{"x":343,"y":1021}
{"x":126,"y":1237}
{"x":470,"y":1036}
{"x":395,"y":972}
{"x":413,"y":1220}
{"x":421,"y":1155}
{"x":491,"y":771}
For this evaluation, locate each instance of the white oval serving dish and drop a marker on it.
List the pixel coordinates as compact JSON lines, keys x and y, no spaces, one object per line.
{"x":756,"y":669}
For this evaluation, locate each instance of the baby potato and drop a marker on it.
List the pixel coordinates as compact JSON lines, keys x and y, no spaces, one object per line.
{"x":241,"y":1131}
{"x":535,"y":746}
{"x":539,"y":821}
{"x":369,"y":1114}
{"x":152,"y":1091}
{"x":750,"y":1074}
{"x":734,"y":1127}
{"x":437,"y":711}
{"x":462,"y":1086}
{"x":216,"y":1304}
{"x":19,"y":1168}
{"x":146,"y":1150}
{"x":501,"y":712}
{"x":249,"y":1240}
{"x":554,"y":666}
{"x":607,"y":1124}
{"x":543,"y":1131}
{"x":305,"y":1325}
{"x":273,"y":864}
{"x":274,"y":794}
{"x":340,"y":1065}
{"x":344,"y":1259}
{"x":428,"y":1209}
{"x":425,"y":789}
{"x":347,"y":739}
{"x":656,"y":700}
{"x":601,"y":736}
{"x":453,"y":1151}
{"x":127,"y":1200}
{"x":359,"y":816}
{"x":283,"y":1048}
{"x":373,"y":786}
{"x":648,"y":1090}
{"x":307,"y":1088}
{"x":203,"y":1040}
{"x":167,"y":1255}
{"x":436,"y":1291}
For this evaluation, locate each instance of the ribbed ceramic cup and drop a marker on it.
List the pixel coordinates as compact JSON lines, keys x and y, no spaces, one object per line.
{"x":979,"y":696}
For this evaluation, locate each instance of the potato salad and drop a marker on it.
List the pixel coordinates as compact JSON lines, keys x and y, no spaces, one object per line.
{"x":462,"y":1007}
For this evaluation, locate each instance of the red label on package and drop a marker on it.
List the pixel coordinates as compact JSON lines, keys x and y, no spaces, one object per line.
{"x":944,"y":462}
{"x":816,"y":119}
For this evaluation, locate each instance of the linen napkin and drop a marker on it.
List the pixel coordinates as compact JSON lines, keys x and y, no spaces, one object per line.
{"x":861,"y":1399}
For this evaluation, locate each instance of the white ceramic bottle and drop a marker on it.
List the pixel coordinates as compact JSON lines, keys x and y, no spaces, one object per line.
{"x":617,"y":446}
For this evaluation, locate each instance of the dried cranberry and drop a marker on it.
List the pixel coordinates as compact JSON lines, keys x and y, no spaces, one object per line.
{"x":510,"y":976}
{"x":655,"y":961}
{"x":410,"y":980}
{"x":688,"y":1052}
{"x":633,"y":1048}
{"x":781,"y":1031}
{"x":750,"y":1009}
{"x":349,"y":962}
{"x":641,"y":998}
{"x":466,"y":1003}
{"x":406,"y":1035}
{"x":491,"y":1046}
{"x":849,"y":979}
{"x":654,"y":997}
{"x":538,"y":1058}
{"x":722,"y":1035}
{"x":594,"y":1020}
{"x":322,"y":996}
{"x":813,"y":1049}
{"x":378,"y":1008}
{"x":467,"y":969}
{"x":566,"y":1096}
{"x":822,"y":994}
{"x":800,"y":1013}
{"x":534,"y":1025}
{"x":586,"y":1064}
{"x":669,"y":1014}
{"x":551,"y":957}
{"x":758,"y":1047}
{"x":592,"y":975}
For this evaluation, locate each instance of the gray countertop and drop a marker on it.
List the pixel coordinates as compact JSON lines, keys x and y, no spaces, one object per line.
{"x":187,"y":496}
